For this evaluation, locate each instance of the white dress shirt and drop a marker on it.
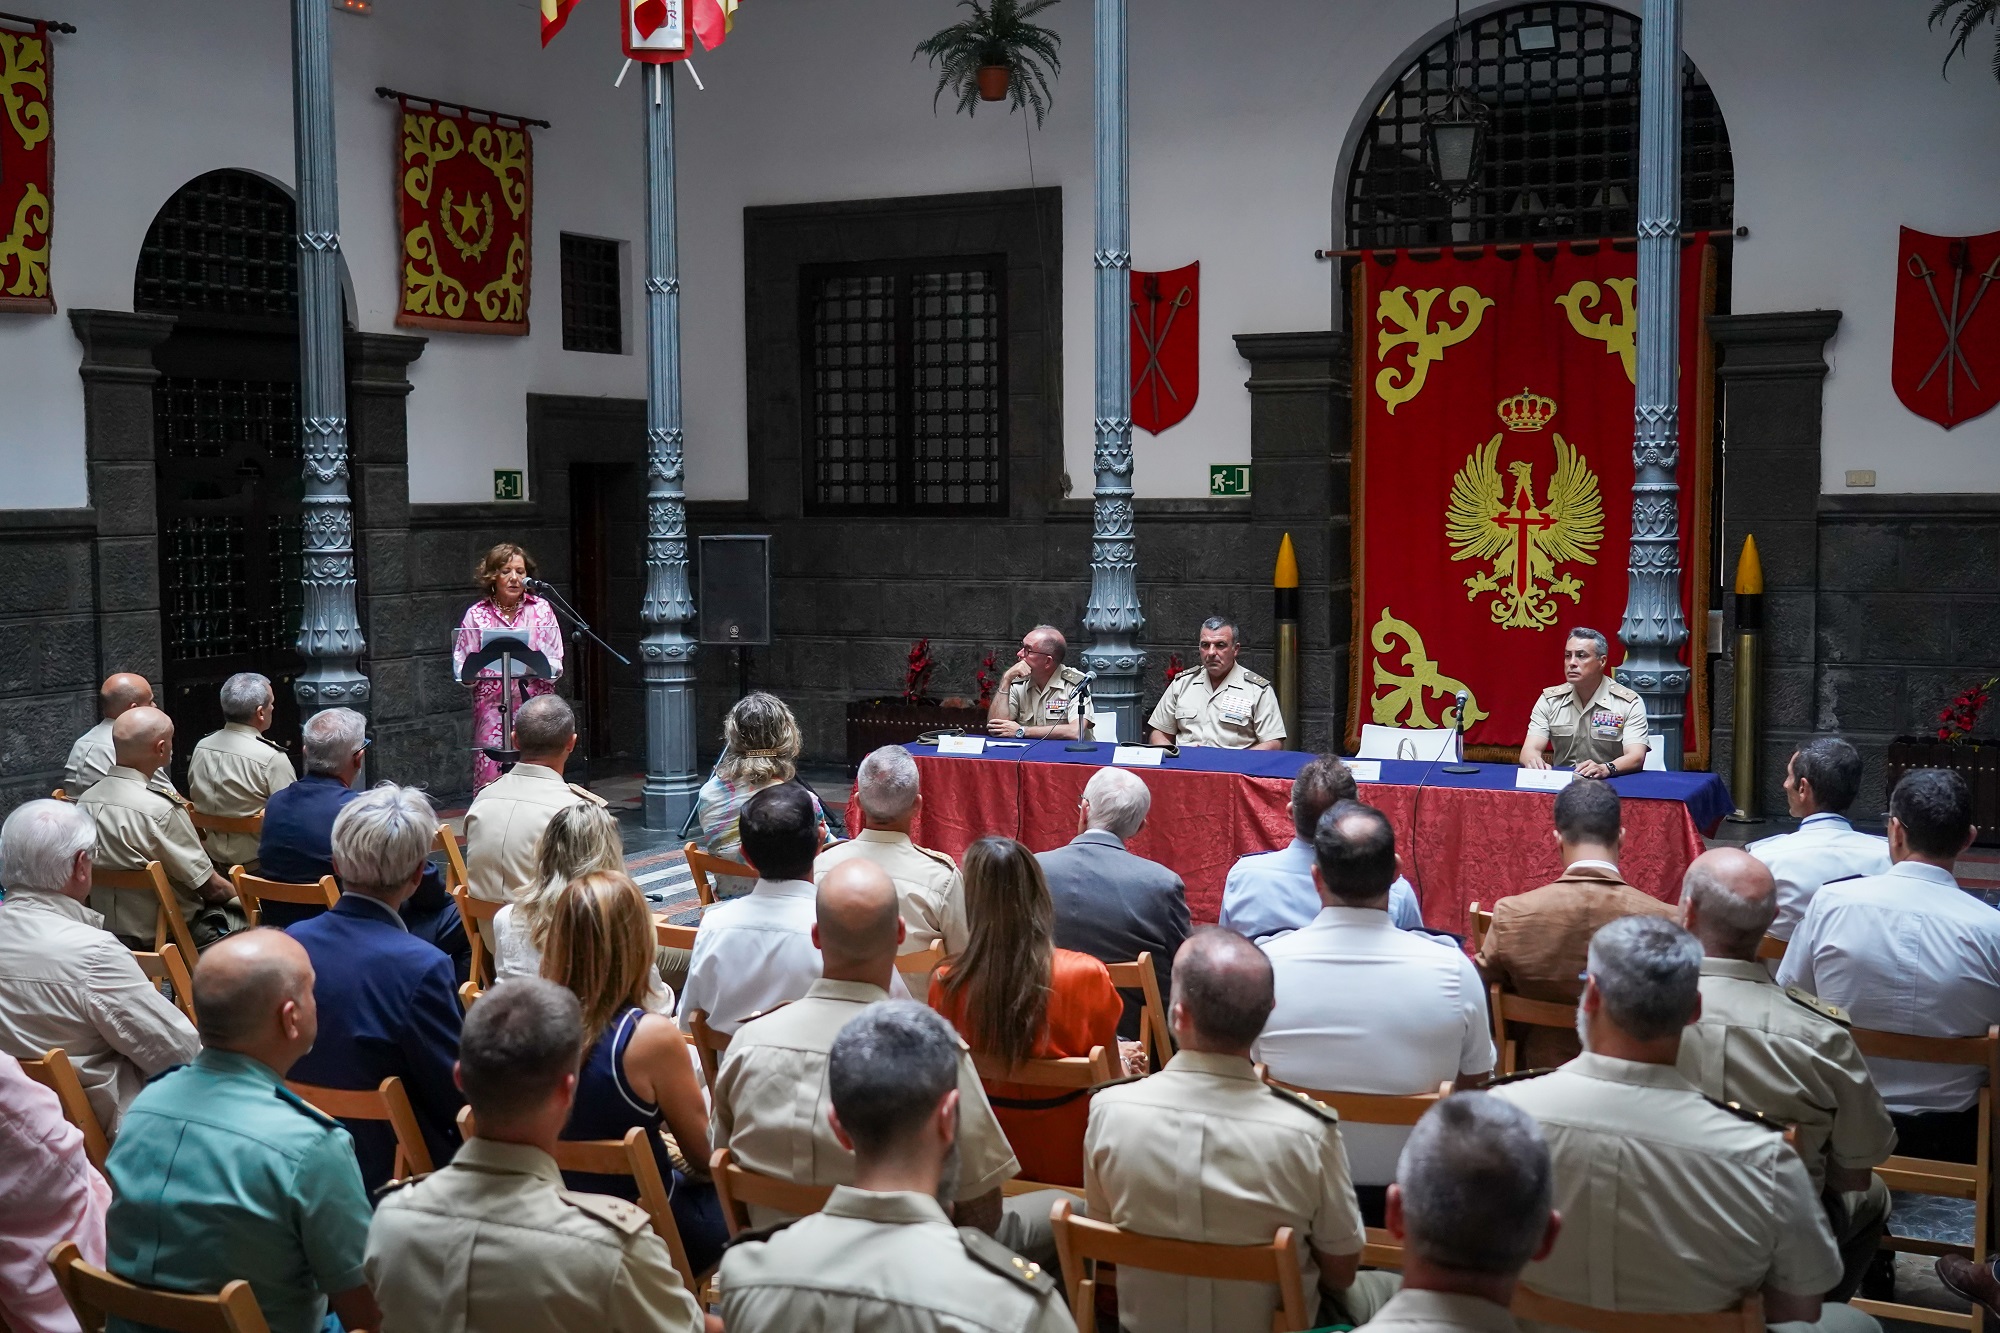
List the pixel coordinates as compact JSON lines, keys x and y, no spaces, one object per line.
{"x":1271,"y":892}
{"x":1826,"y":847}
{"x":1907,"y":951}
{"x":1365,"y":1007}
{"x":755,"y":953}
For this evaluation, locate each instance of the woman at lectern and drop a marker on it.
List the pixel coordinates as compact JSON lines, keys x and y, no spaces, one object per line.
{"x":503,"y":575}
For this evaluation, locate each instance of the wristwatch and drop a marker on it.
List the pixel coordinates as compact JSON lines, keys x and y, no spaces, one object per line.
{"x":1020,"y":732}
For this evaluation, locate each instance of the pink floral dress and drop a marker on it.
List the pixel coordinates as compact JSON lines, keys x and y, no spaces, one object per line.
{"x":536,"y":620}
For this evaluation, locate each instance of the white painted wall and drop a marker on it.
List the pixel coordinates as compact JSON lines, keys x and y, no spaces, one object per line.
{"x":1841,"y":126}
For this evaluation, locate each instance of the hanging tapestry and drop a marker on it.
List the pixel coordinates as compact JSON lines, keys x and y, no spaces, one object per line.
{"x":1493,"y":393}
{"x":27,"y":127}
{"x":1945,"y":359}
{"x":465,"y":190}
{"x":1166,"y":347}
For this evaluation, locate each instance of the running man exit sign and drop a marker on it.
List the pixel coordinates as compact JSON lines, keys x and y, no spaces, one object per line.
{"x":1229,"y":479}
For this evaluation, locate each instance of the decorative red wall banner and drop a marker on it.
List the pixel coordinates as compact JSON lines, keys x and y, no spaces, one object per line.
{"x":1493,"y":394}
{"x":1166,"y":346}
{"x":464,"y":201}
{"x":27,"y":158}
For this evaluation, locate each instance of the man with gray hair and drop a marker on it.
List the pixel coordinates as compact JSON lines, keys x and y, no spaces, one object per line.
{"x":1036,"y":698}
{"x":504,"y":826}
{"x":1471,"y":1205}
{"x":882,"y":1252}
{"x":234,"y":772}
{"x":1673,"y":1204}
{"x":1222,"y":704}
{"x":928,"y":885}
{"x":1110,"y":903}
{"x":388,"y":1002}
{"x":1784,"y":1053}
{"x":1590,"y":722}
{"x":64,"y":981}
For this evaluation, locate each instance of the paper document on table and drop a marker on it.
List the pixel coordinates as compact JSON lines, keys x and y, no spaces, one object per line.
{"x":1365,"y":770}
{"x":1542,"y":779}
{"x":1140,"y":756}
{"x":961,"y":745}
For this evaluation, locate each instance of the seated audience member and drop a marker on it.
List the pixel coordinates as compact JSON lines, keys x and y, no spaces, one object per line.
{"x":580,"y":839}
{"x":1784,"y":1054}
{"x":760,"y":750}
{"x":1909,"y":951}
{"x":504,"y":825}
{"x":92,"y":756}
{"x":1268,"y":893}
{"x":1262,"y":1158}
{"x":494,"y":1243}
{"x":135,"y":824}
{"x":234,"y":771}
{"x":927,"y":882}
{"x":637,"y":1070}
{"x":64,"y":981}
{"x":387,"y":1002}
{"x":1536,"y":945}
{"x":224,"y":1173}
{"x":763,"y":1118}
{"x":1364,"y":1007}
{"x":883,"y":1253}
{"x":1821,"y":779}
{"x":1015,"y":996}
{"x":1471,"y":1208}
{"x":1112,"y":904}
{"x":49,"y":1193}
{"x":1671,"y":1203}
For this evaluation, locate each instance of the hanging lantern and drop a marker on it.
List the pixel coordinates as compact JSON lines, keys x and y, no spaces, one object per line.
{"x":1454,"y":143}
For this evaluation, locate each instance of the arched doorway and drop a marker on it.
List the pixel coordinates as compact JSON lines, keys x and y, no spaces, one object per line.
{"x":222,"y":257}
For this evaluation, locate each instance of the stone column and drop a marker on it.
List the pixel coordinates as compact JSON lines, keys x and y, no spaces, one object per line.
{"x":329,"y":631}
{"x":1112,"y":614}
{"x":667,"y":649}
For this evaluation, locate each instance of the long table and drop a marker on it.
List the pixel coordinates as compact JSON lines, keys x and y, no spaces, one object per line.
{"x":1463,"y":838}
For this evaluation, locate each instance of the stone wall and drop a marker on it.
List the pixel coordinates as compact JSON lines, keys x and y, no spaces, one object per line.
{"x":48,"y":646}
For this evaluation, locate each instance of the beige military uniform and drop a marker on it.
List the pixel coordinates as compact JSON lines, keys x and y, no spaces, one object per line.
{"x":1240,"y":712}
{"x":504,"y":827}
{"x":887,"y":1263}
{"x":1441,"y":1312}
{"x":135,"y":824}
{"x":493,"y":1243}
{"x":233,"y":772}
{"x":1671,"y":1203}
{"x":1599,"y":730}
{"x":1050,"y":706}
{"x":1204,"y":1150}
{"x":927,"y":885}
{"x":93,"y":756}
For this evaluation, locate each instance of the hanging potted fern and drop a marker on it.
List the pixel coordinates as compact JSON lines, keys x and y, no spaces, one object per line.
{"x":996,"y":55}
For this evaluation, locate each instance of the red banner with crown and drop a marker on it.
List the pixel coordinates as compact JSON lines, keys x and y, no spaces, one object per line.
{"x":465,"y":196}
{"x":1493,"y":392}
{"x":27,"y":153}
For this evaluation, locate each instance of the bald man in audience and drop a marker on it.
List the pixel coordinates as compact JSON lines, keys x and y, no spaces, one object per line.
{"x":1207,"y":1151}
{"x":225,"y":1173}
{"x":92,"y":756}
{"x":504,"y":826}
{"x":1784,"y":1053}
{"x":136,"y":824}
{"x":927,"y":882}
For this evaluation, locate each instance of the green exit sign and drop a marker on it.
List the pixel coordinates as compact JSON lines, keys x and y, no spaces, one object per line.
{"x":1229,"y":479}
{"x":508,"y":484}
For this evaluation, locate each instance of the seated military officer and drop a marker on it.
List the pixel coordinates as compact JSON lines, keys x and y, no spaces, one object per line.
{"x":233,"y":772}
{"x":1222,"y":704}
{"x":508,"y":815}
{"x":493,"y":1243}
{"x":882,"y":1254}
{"x":1036,"y":698}
{"x":1590,"y":722}
{"x":92,"y":757}
{"x":927,"y":883}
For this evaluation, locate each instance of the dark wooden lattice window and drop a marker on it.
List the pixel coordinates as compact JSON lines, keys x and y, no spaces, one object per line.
{"x":905,"y":392}
{"x":593,"y":316}
{"x":1560,"y":84}
{"x":223,"y":245}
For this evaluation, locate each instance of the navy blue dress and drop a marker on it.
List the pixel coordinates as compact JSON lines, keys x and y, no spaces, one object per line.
{"x":606,"y":1107}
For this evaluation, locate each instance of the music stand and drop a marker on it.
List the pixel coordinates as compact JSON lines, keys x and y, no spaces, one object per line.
{"x":517,"y":661}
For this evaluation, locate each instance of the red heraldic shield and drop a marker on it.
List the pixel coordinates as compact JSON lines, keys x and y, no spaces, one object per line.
{"x":1166,"y":348}
{"x":27,"y":126}
{"x":1946,"y":360}
{"x":465,"y":194}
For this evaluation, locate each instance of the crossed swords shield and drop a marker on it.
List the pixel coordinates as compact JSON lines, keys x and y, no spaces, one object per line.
{"x":1166,"y":361}
{"x":1945,"y":364}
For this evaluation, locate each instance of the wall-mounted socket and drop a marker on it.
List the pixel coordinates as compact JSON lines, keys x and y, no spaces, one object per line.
{"x":1861,"y":476}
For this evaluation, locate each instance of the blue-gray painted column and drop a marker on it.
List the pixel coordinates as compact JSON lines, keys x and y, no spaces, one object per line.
{"x":668,"y":648}
{"x":329,"y":631}
{"x":1655,"y":628}
{"x":1112,"y":613}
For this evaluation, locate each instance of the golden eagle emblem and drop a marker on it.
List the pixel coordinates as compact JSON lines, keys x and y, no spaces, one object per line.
{"x":1523,"y":540}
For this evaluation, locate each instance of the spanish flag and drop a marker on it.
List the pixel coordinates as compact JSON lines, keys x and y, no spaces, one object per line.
{"x":555,"y":13}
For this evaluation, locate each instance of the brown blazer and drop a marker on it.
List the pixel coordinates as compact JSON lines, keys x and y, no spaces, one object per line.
{"x":1540,"y":941}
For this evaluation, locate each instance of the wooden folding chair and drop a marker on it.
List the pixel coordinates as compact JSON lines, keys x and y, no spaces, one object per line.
{"x":1505,"y":1007}
{"x":671,"y":936}
{"x":167,"y":965}
{"x":94,"y":1294}
{"x":168,"y":924}
{"x":467,"y":993}
{"x":1076,"y":1072}
{"x":1084,"y":1243}
{"x":60,"y":795}
{"x":1380,"y":1249}
{"x":1530,"y":1304}
{"x":253,"y":890}
{"x":1928,"y":1176}
{"x":1771,"y":948}
{"x":708,"y":1046}
{"x":446,"y":841}
{"x":54,"y":1072}
{"x":917,"y":967}
{"x":1139,"y":975}
{"x":703,"y":866}
{"x":1478,"y":920}
{"x":251,"y":826}
{"x":473,"y":911}
{"x":386,"y":1102}
{"x":739,"y":1187}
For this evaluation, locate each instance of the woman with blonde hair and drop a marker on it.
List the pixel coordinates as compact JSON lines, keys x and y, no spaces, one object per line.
{"x":1013,"y":995}
{"x":760,"y":748}
{"x":581,"y":838}
{"x":598,"y":940}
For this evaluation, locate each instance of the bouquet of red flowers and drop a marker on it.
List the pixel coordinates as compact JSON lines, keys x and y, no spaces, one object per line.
{"x":985,"y":680}
{"x":1174,"y":667}
{"x":1961,"y":715}
{"x":917,"y":675}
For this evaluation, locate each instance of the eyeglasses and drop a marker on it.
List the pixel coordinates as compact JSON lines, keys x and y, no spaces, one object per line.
{"x":1036,"y":652}
{"x":366,"y":741}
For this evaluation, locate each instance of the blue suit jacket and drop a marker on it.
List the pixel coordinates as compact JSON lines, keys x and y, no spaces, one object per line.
{"x":1114,"y":906}
{"x":387,"y":1005}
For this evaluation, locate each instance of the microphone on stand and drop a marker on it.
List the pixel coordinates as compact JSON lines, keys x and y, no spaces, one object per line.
{"x":536,"y":585}
{"x":1083,"y":714}
{"x":1458,"y":734}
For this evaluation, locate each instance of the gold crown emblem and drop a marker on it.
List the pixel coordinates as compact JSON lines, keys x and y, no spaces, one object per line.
{"x":1527,"y":411}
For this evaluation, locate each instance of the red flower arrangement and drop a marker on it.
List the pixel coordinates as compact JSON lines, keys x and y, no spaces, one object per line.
{"x":917,"y":675}
{"x":985,"y":680}
{"x":1961,"y":715}
{"x":1174,"y":667}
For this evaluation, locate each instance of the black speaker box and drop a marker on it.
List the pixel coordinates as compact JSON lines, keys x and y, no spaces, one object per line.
{"x":733,"y":596}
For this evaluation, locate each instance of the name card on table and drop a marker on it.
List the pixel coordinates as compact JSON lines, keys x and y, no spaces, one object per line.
{"x":1542,"y":779}
{"x":961,"y":745}
{"x":1365,"y":770}
{"x":1137,"y":756}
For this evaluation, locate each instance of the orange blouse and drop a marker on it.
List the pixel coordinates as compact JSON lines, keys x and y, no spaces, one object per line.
{"x":1084,"y":1009}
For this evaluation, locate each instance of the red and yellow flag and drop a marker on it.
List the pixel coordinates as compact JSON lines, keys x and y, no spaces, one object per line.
{"x":555,"y":13}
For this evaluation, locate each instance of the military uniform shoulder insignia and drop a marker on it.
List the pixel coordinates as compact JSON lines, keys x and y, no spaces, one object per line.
{"x":942,"y":858}
{"x":384,"y":1190}
{"x":1818,"y":1006}
{"x":1742,"y":1112}
{"x":1256,"y":679}
{"x":266,"y":740}
{"x":304,"y":1107}
{"x":1618,"y":691}
{"x":1518,"y":1076}
{"x":990,"y":1253}
{"x":628,"y":1218}
{"x":588,"y":795}
{"x":1305,"y":1103}
{"x":753,"y":1235}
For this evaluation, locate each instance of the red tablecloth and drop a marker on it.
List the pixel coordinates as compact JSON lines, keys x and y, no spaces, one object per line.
{"x":1469,"y":845}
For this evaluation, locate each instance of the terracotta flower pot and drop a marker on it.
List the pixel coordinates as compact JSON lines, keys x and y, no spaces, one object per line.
{"x":993,"y":83}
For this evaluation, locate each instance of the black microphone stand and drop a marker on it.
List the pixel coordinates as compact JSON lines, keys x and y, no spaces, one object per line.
{"x":564,"y":609}
{"x":1458,"y":739}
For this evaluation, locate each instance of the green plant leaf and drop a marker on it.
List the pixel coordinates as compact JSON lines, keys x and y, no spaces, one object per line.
{"x":999,"y":34}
